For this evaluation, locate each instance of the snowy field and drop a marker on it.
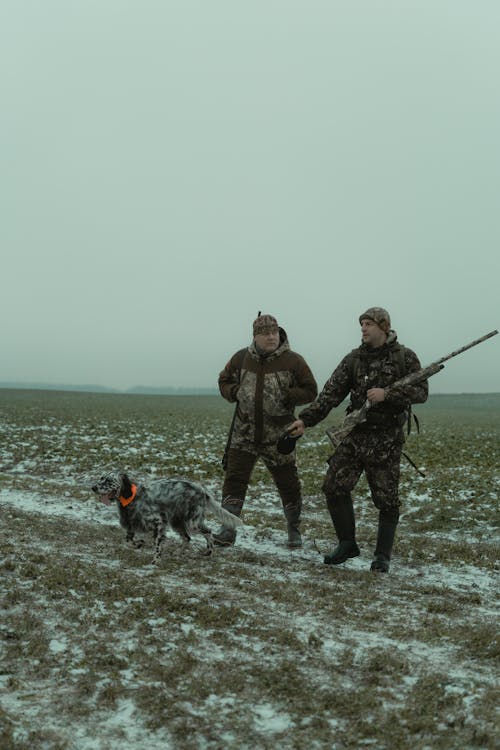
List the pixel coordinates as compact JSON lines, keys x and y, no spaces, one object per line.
{"x":258,"y":646}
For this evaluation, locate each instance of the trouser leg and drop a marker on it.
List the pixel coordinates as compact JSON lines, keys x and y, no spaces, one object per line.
{"x":240,"y":465}
{"x":382,"y":473}
{"x":383,"y":478}
{"x":344,"y":471}
{"x":239,"y":469}
{"x":287,"y":483}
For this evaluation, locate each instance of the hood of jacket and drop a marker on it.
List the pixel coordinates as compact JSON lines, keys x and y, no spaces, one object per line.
{"x":371,"y":352}
{"x":283,"y":346}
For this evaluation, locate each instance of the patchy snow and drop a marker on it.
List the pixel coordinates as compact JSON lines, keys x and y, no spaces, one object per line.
{"x":55,"y":505}
{"x":267,"y":543}
{"x":270,"y":721}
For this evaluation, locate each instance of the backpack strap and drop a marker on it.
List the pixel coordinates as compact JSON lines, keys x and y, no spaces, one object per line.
{"x":355,"y":365}
{"x":410,"y":461}
{"x":399,"y":361}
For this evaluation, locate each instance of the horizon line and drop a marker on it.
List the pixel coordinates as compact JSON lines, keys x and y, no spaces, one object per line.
{"x":161,"y":390}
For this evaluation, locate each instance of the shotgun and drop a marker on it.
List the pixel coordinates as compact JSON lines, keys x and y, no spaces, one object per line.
{"x":358,"y":416}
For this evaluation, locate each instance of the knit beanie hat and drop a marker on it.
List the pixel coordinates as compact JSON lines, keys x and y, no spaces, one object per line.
{"x":265,"y":324}
{"x":380,"y":316}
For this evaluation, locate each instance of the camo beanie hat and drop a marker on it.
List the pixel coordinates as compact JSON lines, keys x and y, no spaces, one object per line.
{"x":380,"y":316}
{"x":265,"y":324}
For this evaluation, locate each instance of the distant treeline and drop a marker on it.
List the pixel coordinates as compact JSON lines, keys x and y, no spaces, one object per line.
{"x":137,"y":389}
{"x":170,"y":391}
{"x":175,"y":391}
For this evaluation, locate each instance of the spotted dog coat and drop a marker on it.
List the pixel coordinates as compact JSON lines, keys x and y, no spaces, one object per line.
{"x":177,"y":503}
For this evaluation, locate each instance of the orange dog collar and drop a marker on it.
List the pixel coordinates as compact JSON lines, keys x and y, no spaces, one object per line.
{"x":124,"y":501}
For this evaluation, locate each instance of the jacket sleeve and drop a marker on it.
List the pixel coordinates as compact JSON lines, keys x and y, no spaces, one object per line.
{"x":305,"y":388}
{"x":229,"y":378}
{"x":334,"y":392}
{"x":403,"y":396}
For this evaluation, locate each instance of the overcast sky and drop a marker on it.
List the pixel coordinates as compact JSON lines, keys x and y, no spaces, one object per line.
{"x":168,"y":169}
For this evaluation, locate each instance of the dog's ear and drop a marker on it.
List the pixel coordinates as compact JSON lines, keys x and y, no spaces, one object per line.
{"x":126,"y":487}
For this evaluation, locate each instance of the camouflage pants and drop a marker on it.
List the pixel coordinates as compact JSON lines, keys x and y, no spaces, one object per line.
{"x":378,"y":454}
{"x":239,"y":470}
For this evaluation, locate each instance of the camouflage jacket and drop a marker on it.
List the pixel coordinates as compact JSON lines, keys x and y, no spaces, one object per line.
{"x":267,"y":388}
{"x":365,"y":368}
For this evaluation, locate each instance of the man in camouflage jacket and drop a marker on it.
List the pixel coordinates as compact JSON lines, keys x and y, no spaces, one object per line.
{"x":267,"y":380}
{"x":374,"y":446}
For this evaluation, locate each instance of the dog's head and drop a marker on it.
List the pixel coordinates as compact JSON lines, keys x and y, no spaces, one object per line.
{"x":110,"y":486}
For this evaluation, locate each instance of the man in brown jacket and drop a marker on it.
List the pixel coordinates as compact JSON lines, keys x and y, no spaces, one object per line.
{"x":267,"y":380}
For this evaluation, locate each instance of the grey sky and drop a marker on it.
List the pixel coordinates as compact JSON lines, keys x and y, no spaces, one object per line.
{"x":170,"y":168}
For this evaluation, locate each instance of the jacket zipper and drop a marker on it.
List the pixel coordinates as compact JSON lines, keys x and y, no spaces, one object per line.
{"x":259,"y":403}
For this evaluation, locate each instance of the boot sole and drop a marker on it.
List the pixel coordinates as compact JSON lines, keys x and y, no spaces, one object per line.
{"x":219,"y":543}
{"x":374,"y":568}
{"x":338,"y":561}
{"x":380,"y":564}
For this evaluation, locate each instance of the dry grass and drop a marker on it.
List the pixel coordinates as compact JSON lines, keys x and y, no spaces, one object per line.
{"x":257,"y":647}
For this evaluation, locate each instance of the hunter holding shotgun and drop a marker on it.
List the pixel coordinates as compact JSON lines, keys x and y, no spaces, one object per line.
{"x":376,"y":444}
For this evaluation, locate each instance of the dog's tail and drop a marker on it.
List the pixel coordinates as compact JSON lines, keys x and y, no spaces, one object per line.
{"x":224,"y":516}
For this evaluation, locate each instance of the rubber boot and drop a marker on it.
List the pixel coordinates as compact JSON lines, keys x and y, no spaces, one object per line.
{"x":287,"y":483}
{"x":342,"y":515}
{"x":293,"y":528}
{"x":226,"y":536}
{"x":385,"y":540}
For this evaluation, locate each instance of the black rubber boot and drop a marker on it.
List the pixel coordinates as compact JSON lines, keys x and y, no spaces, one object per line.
{"x":342,"y":552}
{"x":342,"y":515}
{"x":293,"y":528}
{"x":226,"y":536}
{"x":294,"y":537}
{"x":287,"y":483}
{"x":383,"y":550}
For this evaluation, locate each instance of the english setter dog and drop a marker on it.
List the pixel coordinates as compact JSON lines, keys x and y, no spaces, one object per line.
{"x":177,"y":503}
